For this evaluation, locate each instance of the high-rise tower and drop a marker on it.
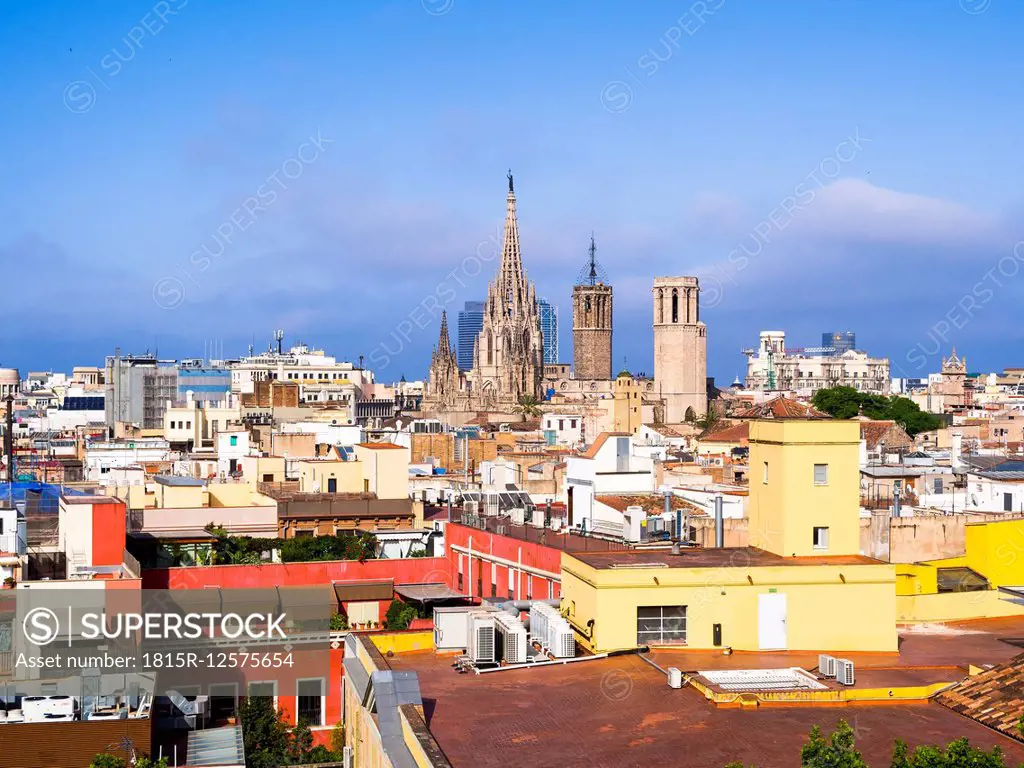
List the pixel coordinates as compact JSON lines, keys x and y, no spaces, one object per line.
{"x":592,"y":322}
{"x":680,"y":348}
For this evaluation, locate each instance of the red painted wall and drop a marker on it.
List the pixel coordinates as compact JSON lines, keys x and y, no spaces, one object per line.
{"x":108,"y":532}
{"x":524,"y":586}
{"x":407,"y":571}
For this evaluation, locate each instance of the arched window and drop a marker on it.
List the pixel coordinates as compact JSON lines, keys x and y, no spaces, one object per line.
{"x":586,"y":304}
{"x":675,"y":306}
{"x":690,"y":415}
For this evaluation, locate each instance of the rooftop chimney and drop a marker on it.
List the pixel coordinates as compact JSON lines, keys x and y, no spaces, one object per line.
{"x":719,"y":523}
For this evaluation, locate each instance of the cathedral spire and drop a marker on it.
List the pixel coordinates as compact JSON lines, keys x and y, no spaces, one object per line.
{"x":444,"y":343}
{"x":511,"y":282}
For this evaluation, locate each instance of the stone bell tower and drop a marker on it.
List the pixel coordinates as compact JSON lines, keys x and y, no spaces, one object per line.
{"x":592,"y":323}
{"x":680,"y":348}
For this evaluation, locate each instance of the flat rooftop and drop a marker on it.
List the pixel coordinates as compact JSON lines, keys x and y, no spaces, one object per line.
{"x":701,"y":557}
{"x":619,"y":711}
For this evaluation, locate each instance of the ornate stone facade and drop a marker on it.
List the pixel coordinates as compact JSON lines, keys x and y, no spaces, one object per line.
{"x":508,"y":356}
{"x":592,"y":324}
{"x":680,"y":348}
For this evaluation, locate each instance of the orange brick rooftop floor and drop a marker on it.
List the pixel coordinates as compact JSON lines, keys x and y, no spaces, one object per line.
{"x":620,"y":712}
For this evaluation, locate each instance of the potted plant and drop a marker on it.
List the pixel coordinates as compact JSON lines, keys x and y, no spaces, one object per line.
{"x":9,"y":582}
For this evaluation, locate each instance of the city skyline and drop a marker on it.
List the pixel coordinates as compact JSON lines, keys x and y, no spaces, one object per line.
{"x":843,"y":174}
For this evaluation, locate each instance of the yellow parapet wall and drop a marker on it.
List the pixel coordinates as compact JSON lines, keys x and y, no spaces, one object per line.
{"x":955,"y":606}
{"x":403,"y":642}
{"x":902,"y":694}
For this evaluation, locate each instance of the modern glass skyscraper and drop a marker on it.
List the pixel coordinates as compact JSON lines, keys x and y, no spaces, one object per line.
{"x":841,"y":341}
{"x":549,"y":329}
{"x":471,"y":320}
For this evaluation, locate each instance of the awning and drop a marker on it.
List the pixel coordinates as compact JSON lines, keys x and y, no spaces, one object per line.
{"x":427,"y":593}
{"x":359,"y":591}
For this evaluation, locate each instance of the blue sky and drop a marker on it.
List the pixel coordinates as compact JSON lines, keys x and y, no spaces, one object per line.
{"x":818,"y":165}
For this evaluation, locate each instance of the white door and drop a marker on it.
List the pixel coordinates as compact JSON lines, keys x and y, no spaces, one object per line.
{"x":771,"y":622}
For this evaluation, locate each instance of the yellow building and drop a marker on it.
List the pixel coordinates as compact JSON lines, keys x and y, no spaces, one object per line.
{"x":627,"y":404}
{"x":805,"y":486}
{"x":803,"y":588}
{"x":330,"y":474}
{"x":385,"y":469}
{"x":968,"y":586}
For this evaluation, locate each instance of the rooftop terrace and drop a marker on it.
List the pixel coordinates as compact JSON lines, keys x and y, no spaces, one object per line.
{"x":700,"y":557}
{"x":619,"y":711}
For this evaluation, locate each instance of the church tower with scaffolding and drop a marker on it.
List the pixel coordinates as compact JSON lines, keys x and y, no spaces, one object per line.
{"x":592,"y":322}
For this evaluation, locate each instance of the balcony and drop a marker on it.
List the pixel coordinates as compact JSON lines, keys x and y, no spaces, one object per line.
{"x":13,"y":544}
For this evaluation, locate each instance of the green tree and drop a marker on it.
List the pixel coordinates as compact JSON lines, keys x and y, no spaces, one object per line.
{"x":300,"y":743}
{"x":847,"y":402}
{"x":529,"y":406}
{"x":707,"y":421}
{"x":106,"y":760}
{"x":959,"y":754}
{"x":399,"y":615}
{"x":338,"y":740}
{"x":838,"y":751}
{"x":265,"y":736}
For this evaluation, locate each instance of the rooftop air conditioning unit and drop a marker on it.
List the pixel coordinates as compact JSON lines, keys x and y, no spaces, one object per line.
{"x":471,"y":507}
{"x":540,"y":616}
{"x":538,"y":517}
{"x":480,"y":637}
{"x":61,"y":705}
{"x":826,"y":665}
{"x":675,"y":677}
{"x":34,"y":708}
{"x":511,"y":635}
{"x":561,"y":640}
{"x":518,"y":515}
{"x":844,"y":671}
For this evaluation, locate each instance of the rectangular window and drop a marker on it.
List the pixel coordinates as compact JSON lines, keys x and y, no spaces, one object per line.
{"x":267,"y":689}
{"x":661,"y":625}
{"x":821,"y":537}
{"x":234,"y":441}
{"x":821,"y":474}
{"x":561,"y":424}
{"x":311,"y":701}
{"x":572,"y":423}
{"x":765,"y":481}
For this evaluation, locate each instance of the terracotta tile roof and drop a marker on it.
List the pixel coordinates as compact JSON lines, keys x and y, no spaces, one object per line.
{"x":994,"y":698}
{"x":781,"y":407}
{"x":592,"y":451}
{"x":728,"y":433}
{"x":873,"y":432}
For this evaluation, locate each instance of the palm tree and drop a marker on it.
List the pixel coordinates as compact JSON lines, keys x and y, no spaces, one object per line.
{"x":529,"y":406}
{"x":707,"y":421}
